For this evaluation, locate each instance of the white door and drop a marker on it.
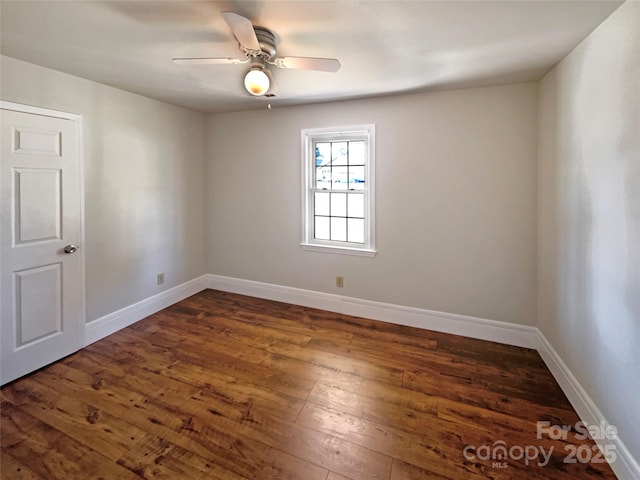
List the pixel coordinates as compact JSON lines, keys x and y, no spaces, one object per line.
{"x":41,"y":272}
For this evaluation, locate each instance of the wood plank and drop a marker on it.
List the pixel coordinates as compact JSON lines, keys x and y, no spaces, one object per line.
{"x":305,"y":362}
{"x":55,"y":456}
{"x":250,"y":397}
{"x":93,"y":389}
{"x":405,"y":471}
{"x":463,"y":414}
{"x":338,"y":363}
{"x":387,"y":405}
{"x":327,"y":451}
{"x":16,"y":424}
{"x":83,"y":422}
{"x":11,"y":468}
{"x":428,"y":451}
{"x":464,"y":389}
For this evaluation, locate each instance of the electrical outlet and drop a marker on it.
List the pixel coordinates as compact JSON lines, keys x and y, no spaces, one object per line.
{"x":160,"y":278}
{"x":340,"y":282}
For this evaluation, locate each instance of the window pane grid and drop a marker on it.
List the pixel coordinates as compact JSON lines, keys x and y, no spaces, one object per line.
{"x":334,"y":168}
{"x":339,"y":216}
{"x":339,"y":169}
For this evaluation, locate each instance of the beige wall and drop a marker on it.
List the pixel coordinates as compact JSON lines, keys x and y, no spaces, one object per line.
{"x":455,"y":207}
{"x":589,"y":217}
{"x":143,"y":169}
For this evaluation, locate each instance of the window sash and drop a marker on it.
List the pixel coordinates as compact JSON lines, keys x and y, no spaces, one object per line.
{"x":337,"y":212}
{"x":353,"y":241}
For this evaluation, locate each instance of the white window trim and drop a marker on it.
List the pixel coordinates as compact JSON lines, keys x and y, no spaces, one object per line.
{"x":308,"y":136}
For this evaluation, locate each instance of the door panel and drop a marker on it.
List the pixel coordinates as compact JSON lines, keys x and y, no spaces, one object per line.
{"x":38,"y":320}
{"x":37,"y":205}
{"x":36,"y":141}
{"x":41,"y":286}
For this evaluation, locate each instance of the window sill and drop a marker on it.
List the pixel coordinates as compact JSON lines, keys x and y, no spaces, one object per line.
{"x":362,"y":252}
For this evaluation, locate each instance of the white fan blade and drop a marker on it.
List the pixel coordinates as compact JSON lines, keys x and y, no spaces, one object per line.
{"x":242,"y":29}
{"x":308,"y":63}
{"x":209,"y":61}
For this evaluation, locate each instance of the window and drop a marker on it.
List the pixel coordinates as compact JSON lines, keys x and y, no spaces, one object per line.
{"x":339,"y":190}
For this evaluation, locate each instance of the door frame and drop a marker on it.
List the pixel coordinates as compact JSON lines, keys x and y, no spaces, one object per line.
{"x":77,"y":120}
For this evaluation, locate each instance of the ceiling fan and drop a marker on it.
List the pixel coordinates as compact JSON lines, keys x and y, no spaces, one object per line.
{"x":259,"y":47}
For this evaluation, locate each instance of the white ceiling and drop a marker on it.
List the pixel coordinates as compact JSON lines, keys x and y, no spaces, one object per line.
{"x":385,"y":47}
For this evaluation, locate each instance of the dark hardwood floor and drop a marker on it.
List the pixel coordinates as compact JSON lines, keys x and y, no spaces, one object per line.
{"x":227,"y":386}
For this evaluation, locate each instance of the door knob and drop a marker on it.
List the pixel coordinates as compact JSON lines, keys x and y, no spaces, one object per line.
{"x":70,"y":248}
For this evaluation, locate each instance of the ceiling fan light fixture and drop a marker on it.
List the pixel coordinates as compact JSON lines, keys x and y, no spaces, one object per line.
{"x":257,"y":81}
{"x":258,"y":44}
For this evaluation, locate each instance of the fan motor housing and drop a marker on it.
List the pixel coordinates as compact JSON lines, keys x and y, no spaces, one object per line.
{"x":267,"y":41}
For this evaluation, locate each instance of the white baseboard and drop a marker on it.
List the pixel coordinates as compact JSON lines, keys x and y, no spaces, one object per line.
{"x":480,"y":328}
{"x":625,"y":467}
{"x":111,"y":323}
